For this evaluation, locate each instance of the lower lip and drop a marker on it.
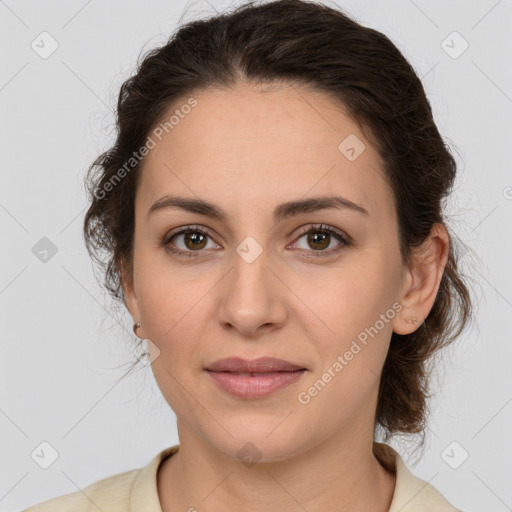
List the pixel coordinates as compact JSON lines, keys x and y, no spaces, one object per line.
{"x":259,"y":386}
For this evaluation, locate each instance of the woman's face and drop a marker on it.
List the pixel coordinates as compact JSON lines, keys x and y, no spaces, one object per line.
{"x":257,"y":284}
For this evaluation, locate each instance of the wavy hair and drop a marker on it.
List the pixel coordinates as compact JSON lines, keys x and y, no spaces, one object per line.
{"x":313,"y":45}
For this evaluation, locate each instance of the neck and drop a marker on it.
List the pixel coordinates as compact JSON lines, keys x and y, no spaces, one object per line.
{"x":341,"y":474}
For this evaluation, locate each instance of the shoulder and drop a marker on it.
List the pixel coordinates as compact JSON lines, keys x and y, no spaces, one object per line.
{"x":412,"y":494}
{"x":124,"y":492}
{"x":111,"y":494}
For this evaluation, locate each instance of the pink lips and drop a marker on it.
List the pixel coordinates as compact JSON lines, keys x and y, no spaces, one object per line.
{"x":253,"y":379}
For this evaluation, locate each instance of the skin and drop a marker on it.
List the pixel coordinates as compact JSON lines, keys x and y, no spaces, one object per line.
{"x":247,"y":150}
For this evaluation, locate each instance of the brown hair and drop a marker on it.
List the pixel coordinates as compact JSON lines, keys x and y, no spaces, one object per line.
{"x":321,"y":47}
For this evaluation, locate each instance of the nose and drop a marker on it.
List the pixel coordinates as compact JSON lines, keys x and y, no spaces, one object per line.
{"x":252,"y":298}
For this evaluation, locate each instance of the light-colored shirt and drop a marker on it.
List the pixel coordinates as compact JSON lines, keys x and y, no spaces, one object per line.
{"x":136,"y":490}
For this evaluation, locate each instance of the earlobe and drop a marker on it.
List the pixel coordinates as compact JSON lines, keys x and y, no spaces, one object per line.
{"x":404,"y":323}
{"x":423,"y":280}
{"x":130,"y":296}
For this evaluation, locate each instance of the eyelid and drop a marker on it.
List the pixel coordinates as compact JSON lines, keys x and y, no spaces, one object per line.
{"x":344,"y":239}
{"x":183,"y":229}
{"x":326,"y":228}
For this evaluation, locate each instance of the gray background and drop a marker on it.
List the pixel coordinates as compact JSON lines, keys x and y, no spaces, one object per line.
{"x":65,"y":350}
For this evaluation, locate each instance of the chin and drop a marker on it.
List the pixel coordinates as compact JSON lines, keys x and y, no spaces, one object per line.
{"x":256,"y":440}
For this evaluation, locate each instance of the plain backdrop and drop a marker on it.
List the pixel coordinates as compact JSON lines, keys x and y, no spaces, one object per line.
{"x":65,"y":348}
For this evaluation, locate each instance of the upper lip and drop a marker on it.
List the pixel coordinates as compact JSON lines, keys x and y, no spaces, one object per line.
{"x":260,"y":365}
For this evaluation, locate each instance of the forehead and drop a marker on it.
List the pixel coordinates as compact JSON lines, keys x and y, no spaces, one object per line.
{"x":259,"y":143}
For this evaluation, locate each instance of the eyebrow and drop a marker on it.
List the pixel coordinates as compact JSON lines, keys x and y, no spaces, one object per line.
{"x":281,"y":212}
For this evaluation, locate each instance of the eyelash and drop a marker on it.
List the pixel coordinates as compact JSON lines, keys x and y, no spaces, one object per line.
{"x":323,"y":228}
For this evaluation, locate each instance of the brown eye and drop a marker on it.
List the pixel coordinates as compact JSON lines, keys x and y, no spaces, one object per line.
{"x":320,"y":237}
{"x":318,"y":240}
{"x":195,"y":239}
{"x":188,"y":242}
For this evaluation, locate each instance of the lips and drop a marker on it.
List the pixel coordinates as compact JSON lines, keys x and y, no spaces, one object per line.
{"x":245,"y":367}
{"x":256,"y":379}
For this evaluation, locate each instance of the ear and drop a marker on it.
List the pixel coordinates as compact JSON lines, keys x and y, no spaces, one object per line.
{"x":131,"y":301}
{"x":422,"y":280}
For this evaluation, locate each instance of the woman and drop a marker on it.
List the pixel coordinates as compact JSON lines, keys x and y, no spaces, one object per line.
{"x":272,"y":214}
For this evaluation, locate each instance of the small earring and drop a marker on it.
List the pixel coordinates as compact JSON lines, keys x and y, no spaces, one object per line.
{"x":414,"y":321}
{"x":135,"y":327}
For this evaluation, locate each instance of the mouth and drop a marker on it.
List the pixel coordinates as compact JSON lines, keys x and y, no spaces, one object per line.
{"x":251,"y":374}
{"x":253,"y":379}
{"x":250,"y":386}
{"x":255,"y":366}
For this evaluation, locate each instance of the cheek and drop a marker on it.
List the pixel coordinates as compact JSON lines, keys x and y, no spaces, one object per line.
{"x":351,"y":357}
{"x":167,"y":293}
{"x":353,"y":318}
{"x":175,"y":306}
{"x":347,"y":298}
